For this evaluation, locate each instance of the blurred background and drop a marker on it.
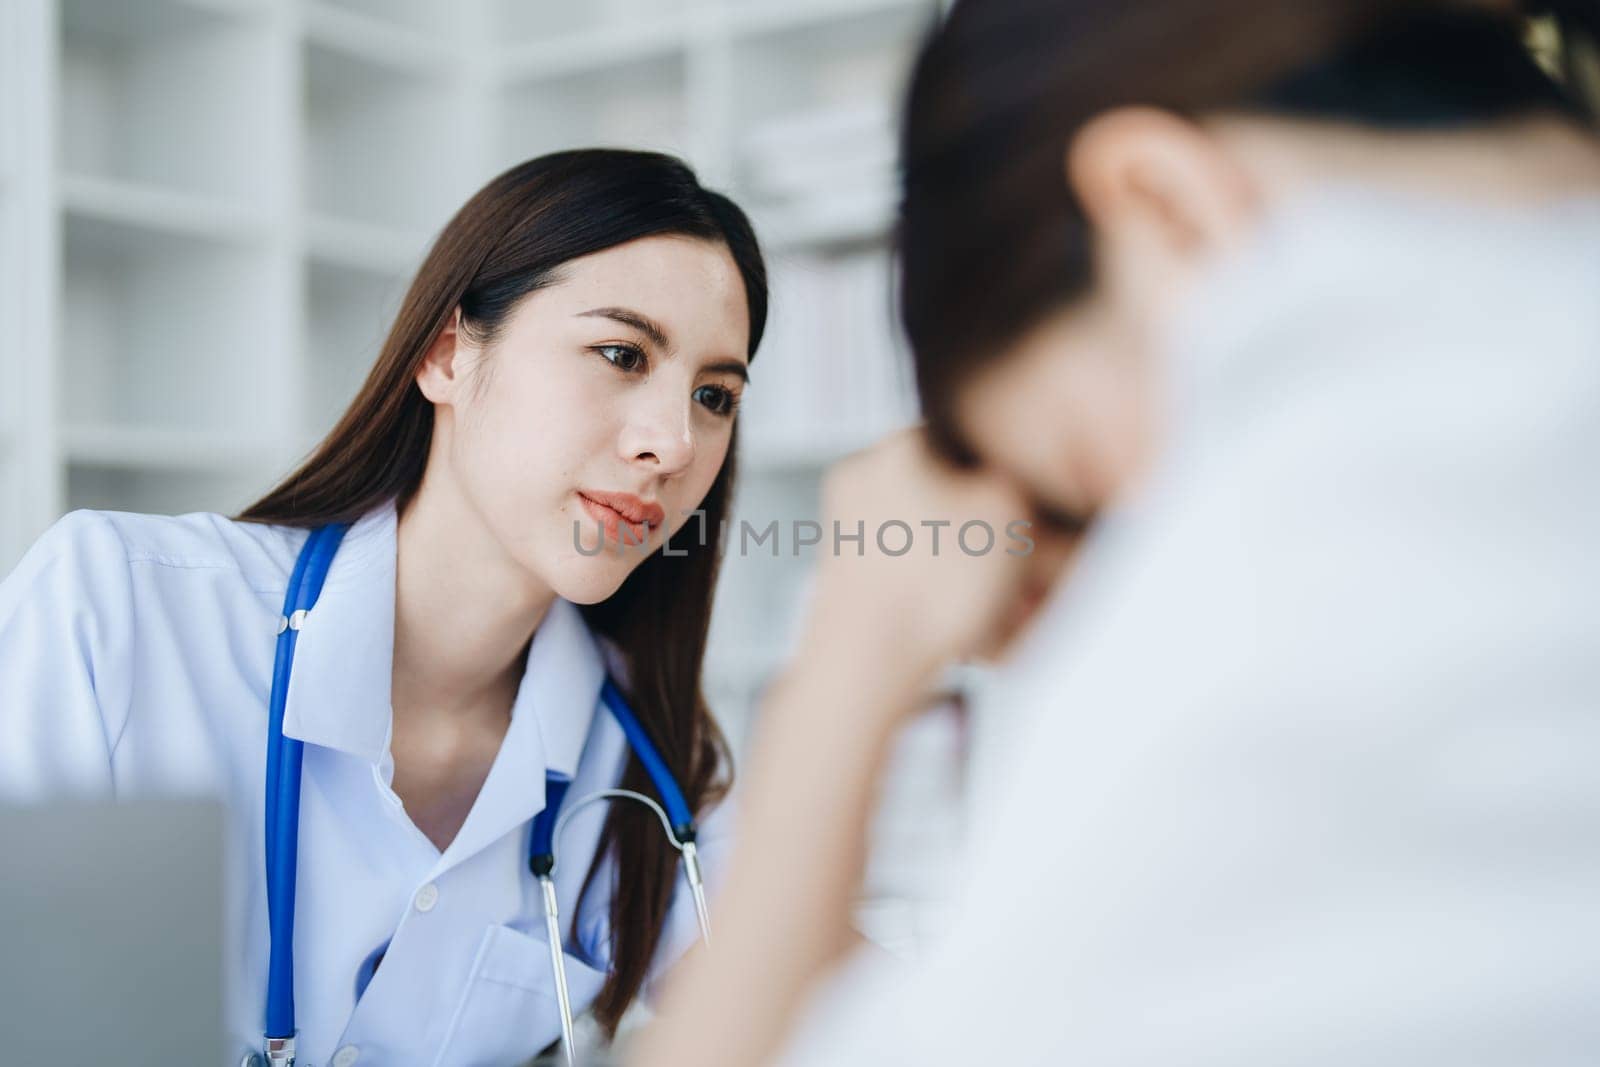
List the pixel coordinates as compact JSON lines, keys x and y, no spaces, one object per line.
{"x":209,"y":210}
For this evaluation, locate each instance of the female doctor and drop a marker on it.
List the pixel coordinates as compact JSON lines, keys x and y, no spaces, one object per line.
{"x":555,"y":399}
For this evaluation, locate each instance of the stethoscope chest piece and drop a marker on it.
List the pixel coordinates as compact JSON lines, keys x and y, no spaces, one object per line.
{"x":280,"y":1053}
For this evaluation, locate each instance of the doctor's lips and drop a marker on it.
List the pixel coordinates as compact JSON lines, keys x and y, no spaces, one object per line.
{"x":613,"y":509}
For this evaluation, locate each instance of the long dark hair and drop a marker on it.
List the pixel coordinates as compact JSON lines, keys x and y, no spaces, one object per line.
{"x":506,"y":242}
{"x":991,"y":239}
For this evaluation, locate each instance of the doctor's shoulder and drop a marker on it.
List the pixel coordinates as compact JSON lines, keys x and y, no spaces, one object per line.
{"x":96,"y":550}
{"x":76,"y":616}
{"x":67,"y":659}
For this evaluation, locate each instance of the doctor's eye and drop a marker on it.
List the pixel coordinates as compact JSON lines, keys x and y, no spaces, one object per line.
{"x":628,"y":357}
{"x":719,"y":399}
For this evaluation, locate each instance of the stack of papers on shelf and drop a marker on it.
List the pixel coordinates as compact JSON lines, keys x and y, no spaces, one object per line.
{"x":835,"y":162}
{"x":833,"y":371}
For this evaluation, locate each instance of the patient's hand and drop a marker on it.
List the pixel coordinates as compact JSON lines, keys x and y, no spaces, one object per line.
{"x":953,"y":593}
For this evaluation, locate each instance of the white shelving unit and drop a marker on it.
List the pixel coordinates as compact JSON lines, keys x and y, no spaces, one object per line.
{"x":210,"y":210}
{"x":29,"y":457}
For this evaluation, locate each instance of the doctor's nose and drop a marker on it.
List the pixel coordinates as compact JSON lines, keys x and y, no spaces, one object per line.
{"x":661,"y":438}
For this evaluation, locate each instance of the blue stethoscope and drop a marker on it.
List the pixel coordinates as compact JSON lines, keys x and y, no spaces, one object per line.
{"x":283,"y":816}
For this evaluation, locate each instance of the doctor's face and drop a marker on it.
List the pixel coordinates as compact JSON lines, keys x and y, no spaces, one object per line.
{"x":617,"y":385}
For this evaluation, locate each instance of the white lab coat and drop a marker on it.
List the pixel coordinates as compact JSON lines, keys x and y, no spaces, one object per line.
{"x":135,"y":658}
{"x":1303,"y":764}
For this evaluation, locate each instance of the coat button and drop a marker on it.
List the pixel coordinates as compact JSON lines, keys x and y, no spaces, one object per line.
{"x":427,"y":897}
{"x":346,"y":1057}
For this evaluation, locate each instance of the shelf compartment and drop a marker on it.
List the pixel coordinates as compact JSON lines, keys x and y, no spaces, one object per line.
{"x":836,"y":221}
{"x":15,"y":515}
{"x":165,"y":331}
{"x":379,"y":141}
{"x":581,"y":29}
{"x":166,"y":94}
{"x":858,"y":58}
{"x":833,"y":373}
{"x":750,"y":17}
{"x":160,"y":210}
{"x":640,"y":104}
{"x":120,"y":447}
{"x":12,"y":259}
{"x":172,"y":491}
{"x":150,"y":18}
{"x":814,"y":141}
{"x":400,"y":36}
{"x":11,"y":81}
{"x":348,"y":314}
{"x":363,"y":246}
{"x":419,"y":17}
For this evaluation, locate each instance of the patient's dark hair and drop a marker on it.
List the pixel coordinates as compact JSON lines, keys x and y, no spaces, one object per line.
{"x":990,"y":236}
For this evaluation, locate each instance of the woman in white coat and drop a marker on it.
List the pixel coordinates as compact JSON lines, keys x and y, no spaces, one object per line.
{"x":555,"y":400}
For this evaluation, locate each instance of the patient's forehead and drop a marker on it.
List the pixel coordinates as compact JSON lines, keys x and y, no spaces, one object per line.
{"x":1044,"y":412}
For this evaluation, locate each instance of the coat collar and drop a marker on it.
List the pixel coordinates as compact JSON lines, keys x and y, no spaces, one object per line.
{"x":340,"y":697}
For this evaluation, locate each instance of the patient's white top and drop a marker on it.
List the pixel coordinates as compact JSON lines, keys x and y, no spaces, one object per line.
{"x":1309,"y":770}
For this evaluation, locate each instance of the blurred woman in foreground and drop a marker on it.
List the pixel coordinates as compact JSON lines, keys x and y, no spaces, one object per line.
{"x":1295,"y":308}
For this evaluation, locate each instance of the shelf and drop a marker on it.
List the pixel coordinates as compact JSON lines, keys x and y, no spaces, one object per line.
{"x":15,"y":516}
{"x":363,"y":246}
{"x":574,"y":36}
{"x":799,"y":455}
{"x":12,"y":256}
{"x":591,"y":52}
{"x":767,"y":17}
{"x":154,"y":18}
{"x":826,"y":383}
{"x":118,"y":447}
{"x":135,"y":207}
{"x":128,"y":109}
{"x":381,"y":142}
{"x":164,"y":330}
{"x":787,"y":61}
{"x":348,"y":313}
{"x":639,"y":104}
{"x":410,"y":18}
{"x":166,"y":492}
{"x":814,"y":141}
{"x":373,"y":39}
{"x":830,"y":223}
{"x":13,"y":64}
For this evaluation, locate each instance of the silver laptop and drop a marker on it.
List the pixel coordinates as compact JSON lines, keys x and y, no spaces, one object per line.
{"x":110,"y":934}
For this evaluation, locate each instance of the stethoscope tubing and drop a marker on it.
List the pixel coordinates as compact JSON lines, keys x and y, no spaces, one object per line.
{"x":284,"y":760}
{"x":558,"y":964}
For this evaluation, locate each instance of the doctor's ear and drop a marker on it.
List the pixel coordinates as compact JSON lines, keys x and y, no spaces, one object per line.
{"x":1156,"y":185}
{"x":441,"y":375}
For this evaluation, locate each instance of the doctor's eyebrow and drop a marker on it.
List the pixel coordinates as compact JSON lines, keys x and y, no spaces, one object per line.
{"x":628,"y":317}
{"x":658,"y":336}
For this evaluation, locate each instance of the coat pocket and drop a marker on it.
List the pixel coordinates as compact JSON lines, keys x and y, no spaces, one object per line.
{"x":508,"y":1011}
